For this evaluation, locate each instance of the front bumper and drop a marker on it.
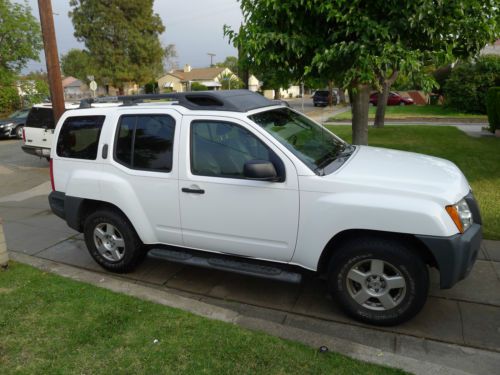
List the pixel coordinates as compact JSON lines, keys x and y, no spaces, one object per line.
{"x":454,"y":255}
{"x":7,"y":132}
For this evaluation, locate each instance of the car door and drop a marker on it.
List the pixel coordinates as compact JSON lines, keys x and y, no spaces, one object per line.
{"x":39,"y":128}
{"x":221,"y":210}
{"x":145,"y":162}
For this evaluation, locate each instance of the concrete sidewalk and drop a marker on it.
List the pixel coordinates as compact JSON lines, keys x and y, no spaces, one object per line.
{"x":458,"y":328}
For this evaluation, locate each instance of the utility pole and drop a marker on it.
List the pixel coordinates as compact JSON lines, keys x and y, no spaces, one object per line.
{"x":51,"y":57}
{"x":211,"y":58}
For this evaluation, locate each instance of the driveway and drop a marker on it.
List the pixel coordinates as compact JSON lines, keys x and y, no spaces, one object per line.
{"x":458,"y":328}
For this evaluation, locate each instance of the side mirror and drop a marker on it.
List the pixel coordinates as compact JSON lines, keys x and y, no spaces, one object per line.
{"x":261,"y":170}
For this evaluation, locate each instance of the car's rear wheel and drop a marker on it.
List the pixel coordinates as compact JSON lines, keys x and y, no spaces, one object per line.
{"x":378,"y":281}
{"x":19,"y":132}
{"x":112,"y":241}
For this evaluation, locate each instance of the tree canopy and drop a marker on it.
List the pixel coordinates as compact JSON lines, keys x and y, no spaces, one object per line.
{"x":122,"y":38}
{"x":20,"y":41}
{"x":77,"y":63}
{"x":357,"y":43}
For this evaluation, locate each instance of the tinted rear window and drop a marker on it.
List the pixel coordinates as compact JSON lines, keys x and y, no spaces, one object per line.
{"x":321,"y":93}
{"x":40,"y":117}
{"x":79,"y":137}
{"x":145,"y":142}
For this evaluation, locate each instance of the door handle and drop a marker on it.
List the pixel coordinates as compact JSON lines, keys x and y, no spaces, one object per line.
{"x":193,"y":191}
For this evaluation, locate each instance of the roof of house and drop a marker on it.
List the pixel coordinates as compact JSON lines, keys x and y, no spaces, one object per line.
{"x":197,"y":74}
{"x":492,"y":49}
{"x":71,"y":82}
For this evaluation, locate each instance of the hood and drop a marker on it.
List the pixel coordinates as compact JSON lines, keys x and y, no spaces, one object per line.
{"x":419,"y":174}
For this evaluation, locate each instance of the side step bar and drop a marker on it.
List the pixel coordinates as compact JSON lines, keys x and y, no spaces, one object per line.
{"x":226,"y":263}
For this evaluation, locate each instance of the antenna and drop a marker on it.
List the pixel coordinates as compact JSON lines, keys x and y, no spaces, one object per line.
{"x":211,"y":58}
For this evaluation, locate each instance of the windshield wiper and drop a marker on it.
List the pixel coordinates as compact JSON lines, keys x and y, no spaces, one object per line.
{"x":345,"y":152}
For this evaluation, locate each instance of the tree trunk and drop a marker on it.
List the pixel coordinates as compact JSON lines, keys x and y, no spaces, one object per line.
{"x":360,"y":99}
{"x":330,"y":93}
{"x":277,"y":94}
{"x":381,"y":105}
{"x":382,"y":99}
{"x":342,"y":96}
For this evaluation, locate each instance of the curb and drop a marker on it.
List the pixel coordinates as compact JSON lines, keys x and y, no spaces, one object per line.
{"x":4,"y":255}
{"x":164,"y":297}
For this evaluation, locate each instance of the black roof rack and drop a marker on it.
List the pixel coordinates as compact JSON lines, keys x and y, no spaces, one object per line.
{"x":227,"y":100}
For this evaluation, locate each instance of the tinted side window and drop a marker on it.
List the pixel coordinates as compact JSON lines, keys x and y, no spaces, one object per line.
{"x":79,"y":137}
{"x":145,"y":142}
{"x":40,"y":117}
{"x":222,"y":149}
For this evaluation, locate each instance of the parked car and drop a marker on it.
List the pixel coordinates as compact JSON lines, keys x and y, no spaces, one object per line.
{"x":12,"y":126}
{"x":39,"y":128}
{"x":320,"y":98}
{"x":393,"y":99}
{"x":233,"y":181}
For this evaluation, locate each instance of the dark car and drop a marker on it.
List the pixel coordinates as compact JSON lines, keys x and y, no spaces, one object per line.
{"x":320,"y":98}
{"x":393,"y":99}
{"x":12,"y":126}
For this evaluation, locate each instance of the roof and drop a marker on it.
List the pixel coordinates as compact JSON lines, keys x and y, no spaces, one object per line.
{"x":227,"y":100}
{"x":197,"y":74}
{"x":71,"y":81}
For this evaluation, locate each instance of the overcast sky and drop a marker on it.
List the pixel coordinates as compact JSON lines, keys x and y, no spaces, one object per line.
{"x":194,"y":26}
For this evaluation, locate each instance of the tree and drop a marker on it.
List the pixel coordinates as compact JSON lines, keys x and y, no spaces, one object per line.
{"x":230,"y":82}
{"x":231,"y":62}
{"x":469,"y":81}
{"x":77,"y":63}
{"x":122,"y":37}
{"x":358,"y":43}
{"x":20,"y":41}
{"x":170,"y":58}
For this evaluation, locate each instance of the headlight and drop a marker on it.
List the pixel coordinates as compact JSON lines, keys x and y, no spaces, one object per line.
{"x":6,"y":125}
{"x":461,"y":215}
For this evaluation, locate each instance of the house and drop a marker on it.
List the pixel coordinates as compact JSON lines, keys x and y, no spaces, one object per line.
{"x":180,"y":80}
{"x":491,"y":49}
{"x":77,"y":89}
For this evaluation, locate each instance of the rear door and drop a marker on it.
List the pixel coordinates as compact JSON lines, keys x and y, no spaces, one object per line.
{"x":39,"y":127}
{"x":145,"y":156}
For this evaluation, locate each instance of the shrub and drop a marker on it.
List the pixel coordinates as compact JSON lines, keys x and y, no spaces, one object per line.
{"x":196,"y":86}
{"x":466,"y":88}
{"x":493,"y":108}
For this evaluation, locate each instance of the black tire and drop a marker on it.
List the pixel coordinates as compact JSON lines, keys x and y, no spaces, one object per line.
{"x":399,"y":261}
{"x":132,"y":252}
{"x":19,"y":132}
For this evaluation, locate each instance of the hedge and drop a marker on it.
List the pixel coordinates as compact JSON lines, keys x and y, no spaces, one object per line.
{"x":465,"y":90}
{"x":493,"y":107}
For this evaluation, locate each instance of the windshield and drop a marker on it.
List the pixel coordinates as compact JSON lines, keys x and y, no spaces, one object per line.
{"x":310,"y":142}
{"x":19,"y":114}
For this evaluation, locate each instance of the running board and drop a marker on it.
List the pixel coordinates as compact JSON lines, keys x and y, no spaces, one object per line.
{"x":227,"y":263}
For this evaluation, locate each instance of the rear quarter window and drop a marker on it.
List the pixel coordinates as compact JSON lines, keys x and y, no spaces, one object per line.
{"x":40,"y":117}
{"x":79,"y":137}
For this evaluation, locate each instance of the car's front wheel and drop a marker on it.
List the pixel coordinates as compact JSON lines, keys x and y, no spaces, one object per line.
{"x":378,"y":281}
{"x":19,"y":132}
{"x":112,"y":241}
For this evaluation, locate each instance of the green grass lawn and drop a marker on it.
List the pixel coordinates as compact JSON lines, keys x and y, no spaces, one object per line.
{"x":415,"y":111}
{"x":478,"y":158}
{"x":53,"y":325}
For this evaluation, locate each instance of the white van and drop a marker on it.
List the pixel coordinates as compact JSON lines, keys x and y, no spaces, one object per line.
{"x":39,"y":128}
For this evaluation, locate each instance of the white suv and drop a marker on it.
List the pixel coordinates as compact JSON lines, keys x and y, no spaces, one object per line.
{"x":232,"y":181}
